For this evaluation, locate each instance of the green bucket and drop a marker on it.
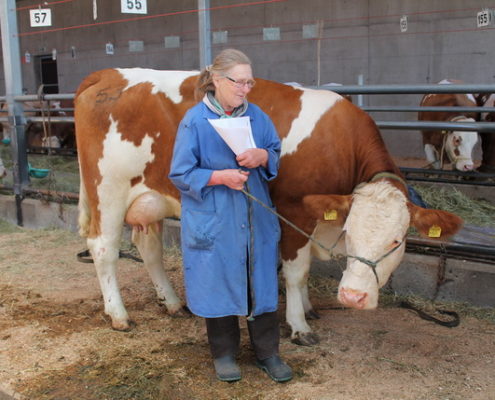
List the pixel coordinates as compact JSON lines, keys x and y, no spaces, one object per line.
{"x":38,"y":173}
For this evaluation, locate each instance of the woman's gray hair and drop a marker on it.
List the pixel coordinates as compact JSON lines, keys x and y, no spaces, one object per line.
{"x":224,"y":61}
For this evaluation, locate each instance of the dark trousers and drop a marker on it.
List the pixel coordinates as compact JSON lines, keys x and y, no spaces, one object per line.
{"x":224,"y":335}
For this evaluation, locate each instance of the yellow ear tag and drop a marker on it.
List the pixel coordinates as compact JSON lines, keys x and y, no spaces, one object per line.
{"x":435,"y":231}
{"x":330,"y":215}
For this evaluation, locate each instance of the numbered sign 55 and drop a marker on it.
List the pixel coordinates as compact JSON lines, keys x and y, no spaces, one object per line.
{"x":41,"y":17}
{"x":484,"y":18}
{"x":133,"y":6}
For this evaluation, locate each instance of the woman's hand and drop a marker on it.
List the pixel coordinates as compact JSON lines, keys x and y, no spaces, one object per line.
{"x":232,"y":178}
{"x":253,"y":158}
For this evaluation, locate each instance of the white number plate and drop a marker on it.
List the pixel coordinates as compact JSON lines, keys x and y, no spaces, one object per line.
{"x":41,"y":17}
{"x":403,"y":23}
{"x":133,"y":6}
{"x":484,"y":18}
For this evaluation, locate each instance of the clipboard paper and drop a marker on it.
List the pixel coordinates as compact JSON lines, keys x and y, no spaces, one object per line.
{"x":236,"y":133}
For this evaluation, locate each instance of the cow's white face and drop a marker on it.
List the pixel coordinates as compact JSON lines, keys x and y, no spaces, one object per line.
{"x":459,"y":146}
{"x":51,"y":141}
{"x":378,"y":221}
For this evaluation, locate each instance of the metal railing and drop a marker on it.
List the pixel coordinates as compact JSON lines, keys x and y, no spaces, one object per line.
{"x":16,"y":120}
{"x":422,"y":89}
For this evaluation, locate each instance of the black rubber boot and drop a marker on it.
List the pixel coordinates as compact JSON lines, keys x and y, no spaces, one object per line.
{"x":275,"y":368}
{"x":227,"y":369}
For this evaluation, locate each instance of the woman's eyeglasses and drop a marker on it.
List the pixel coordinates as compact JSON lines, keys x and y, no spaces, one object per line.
{"x":241,"y":83}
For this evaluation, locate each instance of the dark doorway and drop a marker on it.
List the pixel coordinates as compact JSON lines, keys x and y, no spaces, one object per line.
{"x":47,"y":74}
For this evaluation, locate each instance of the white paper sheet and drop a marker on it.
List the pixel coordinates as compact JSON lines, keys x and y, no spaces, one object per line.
{"x":236,"y":132}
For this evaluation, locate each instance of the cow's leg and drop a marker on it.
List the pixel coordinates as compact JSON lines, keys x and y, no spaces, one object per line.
{"x":150,"y":247}
{"x":432,"y":156}
{"x":309,"y":311}
{"x":105,"y":252}
{"x":296,"y":280}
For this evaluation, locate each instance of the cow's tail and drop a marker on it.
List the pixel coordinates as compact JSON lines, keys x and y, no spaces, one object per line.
{"x":84,"y":219}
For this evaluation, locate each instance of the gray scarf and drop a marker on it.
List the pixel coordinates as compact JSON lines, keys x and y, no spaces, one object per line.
{"x":215,"y":106}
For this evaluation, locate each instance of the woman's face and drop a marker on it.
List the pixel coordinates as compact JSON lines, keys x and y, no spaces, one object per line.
{"x":232,"y":88}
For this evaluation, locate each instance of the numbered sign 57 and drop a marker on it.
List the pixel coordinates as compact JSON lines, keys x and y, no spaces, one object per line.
{"x":41,"y":17}
{"x":133,"y":6}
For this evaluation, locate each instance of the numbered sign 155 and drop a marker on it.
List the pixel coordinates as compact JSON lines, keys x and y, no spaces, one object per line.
{"x":41,"y":17}
{"x":133,"y":6}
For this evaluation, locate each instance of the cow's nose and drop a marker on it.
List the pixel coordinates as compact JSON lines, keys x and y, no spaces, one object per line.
{"x":353,"y":298}
{"x":468,"y":167}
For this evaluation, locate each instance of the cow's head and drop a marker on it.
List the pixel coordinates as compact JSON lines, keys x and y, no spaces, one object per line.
{"x":378,"y":217}
{"x":459,"y":146}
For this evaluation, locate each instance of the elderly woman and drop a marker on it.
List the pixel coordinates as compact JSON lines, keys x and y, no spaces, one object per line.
{"x":229,"y":243}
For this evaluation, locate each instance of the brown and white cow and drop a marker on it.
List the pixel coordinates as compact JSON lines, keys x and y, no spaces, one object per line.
{"x":50,"y":134}
{"x":329,"y":180}
{"x":487,"y":138}
{"x":457,"y":146}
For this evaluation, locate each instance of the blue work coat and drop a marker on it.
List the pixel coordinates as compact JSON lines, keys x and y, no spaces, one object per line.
{"x":215,"y":229}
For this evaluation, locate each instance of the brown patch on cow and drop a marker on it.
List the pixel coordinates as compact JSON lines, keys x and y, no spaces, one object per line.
{"x":318,"y":205}
{"x":95,"y":100}
{"x":281,"y":102}
{"x":345,"y":149}
{"x":424,"y":219}
{"x":136,"y":180}
{"x":292,"y":240}
{"x":159,"y":119}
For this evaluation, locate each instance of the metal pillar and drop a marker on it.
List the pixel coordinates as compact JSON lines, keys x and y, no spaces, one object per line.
{"x":13,"y":87}
{"x":360,"y":96}
{"x":204,"y":33}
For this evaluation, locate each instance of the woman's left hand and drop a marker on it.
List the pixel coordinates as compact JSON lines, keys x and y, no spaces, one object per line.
{"x":253,"y":158}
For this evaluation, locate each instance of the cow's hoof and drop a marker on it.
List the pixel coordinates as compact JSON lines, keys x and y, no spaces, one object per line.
{"x":181,"y":312}
{"x":305,"y":339}
{"x":123,"y":326}
{"x":312,"y":314}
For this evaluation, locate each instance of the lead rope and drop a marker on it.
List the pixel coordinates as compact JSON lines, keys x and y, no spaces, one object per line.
{"x":250,"y":317}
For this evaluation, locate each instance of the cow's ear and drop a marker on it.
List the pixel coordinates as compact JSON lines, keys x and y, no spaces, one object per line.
{"x":435,"y":224}
{"x":331,"y":208}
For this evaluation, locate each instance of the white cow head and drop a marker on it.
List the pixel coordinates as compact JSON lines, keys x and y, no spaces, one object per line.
{"x":459,"y":146}
{"x":378,"y":217}
{"x":51,"y":141}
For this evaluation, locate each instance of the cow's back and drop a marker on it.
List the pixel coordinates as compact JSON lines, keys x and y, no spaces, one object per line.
{"x":321,"y":133}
